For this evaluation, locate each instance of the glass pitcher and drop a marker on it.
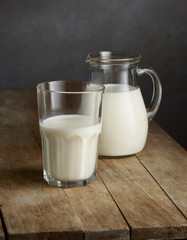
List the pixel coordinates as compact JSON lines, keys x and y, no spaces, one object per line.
{"x":125,"y":118}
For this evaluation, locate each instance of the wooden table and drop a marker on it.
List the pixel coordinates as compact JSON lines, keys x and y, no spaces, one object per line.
{"x":138,"y":197}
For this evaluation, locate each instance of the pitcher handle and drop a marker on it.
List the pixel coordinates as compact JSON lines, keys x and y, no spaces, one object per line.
{"x":157,"y":91}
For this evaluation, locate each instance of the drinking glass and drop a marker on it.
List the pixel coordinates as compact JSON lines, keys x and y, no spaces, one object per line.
{"x":70,"y":125}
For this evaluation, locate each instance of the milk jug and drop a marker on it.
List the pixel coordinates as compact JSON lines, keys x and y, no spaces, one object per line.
{"x":125,"y":117}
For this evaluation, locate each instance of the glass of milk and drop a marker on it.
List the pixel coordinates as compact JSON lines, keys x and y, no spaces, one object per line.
{"x":125,"y":117}
{"x":70,"y":125}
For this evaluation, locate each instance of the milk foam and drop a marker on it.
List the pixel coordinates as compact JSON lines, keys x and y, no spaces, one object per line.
{"x":69,"y":145}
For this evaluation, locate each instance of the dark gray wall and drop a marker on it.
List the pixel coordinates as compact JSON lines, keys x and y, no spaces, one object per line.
{"x":43,"y":40}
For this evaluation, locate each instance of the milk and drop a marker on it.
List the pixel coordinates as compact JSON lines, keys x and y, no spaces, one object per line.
{"x":125,"y":122}
{"x":69,"y":145}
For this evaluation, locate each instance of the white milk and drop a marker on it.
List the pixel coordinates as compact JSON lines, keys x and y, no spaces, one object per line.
{"x":69,"y":145}
{"x":125,"y":121}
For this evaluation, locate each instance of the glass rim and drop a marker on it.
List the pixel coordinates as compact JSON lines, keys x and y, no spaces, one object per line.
{"x":100,"y":86}
{"x":112,"y":57}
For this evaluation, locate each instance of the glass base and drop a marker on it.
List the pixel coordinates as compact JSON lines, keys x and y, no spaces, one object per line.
{"x":68,"y":184}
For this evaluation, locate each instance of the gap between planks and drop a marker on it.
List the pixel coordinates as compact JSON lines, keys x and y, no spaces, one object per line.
{"x":161,"y":188}
{"x":166,"y":161}
{"x":130,"y":228}
{"x":3,"y":230}
{"x":37,"y":137}
{"x":120,"y":230}
{"x":115,"y":200}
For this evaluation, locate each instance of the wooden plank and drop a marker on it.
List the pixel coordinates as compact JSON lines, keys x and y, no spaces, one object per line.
{"x":147,"y":209}
{"x":167,"y":162}
{"x":59,"y":214}
{"x":33,"y":210}
{"x":18,"y":107}
{"x":98,"y":213}
{"x":117,"y":229}
{"x":30,"y":208}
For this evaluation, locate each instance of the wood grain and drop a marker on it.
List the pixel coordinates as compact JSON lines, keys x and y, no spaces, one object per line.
{"x":33,"y":210}
{"x":167,"y":163}
{"x":29,"y":206}
{"x":98,"y":212}
{"x":145,"y":206}
{"x":18,"y":107}
{"x":146,"y":192}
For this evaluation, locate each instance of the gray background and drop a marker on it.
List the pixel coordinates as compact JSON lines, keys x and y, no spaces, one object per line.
{"x":45,"y":40}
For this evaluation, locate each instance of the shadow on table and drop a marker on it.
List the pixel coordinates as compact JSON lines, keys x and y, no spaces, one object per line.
{"x":21,"y":178}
